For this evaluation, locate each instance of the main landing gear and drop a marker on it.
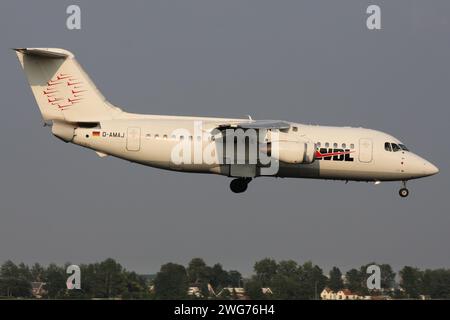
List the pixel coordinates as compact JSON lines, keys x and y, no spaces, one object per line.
{"x":403,"y":192}
{"x":239,"y":185}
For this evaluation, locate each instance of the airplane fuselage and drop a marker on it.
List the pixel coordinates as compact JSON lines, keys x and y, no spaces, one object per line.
{"x":239,"y":148}
{"x":345,"y":153}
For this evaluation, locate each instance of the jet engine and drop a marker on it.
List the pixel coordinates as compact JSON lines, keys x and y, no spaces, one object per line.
{"x":293,"y":152}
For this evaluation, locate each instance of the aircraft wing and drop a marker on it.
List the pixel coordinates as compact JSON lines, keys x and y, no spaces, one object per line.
{"x":256,"y":124}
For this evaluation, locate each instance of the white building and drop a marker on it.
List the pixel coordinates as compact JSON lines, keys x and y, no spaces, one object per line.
{"x":346,"y":294}
{"x":343,"y":294}
{"x":328,"y":294}
{"x":194,"y":292}
{"x":239,"y":293}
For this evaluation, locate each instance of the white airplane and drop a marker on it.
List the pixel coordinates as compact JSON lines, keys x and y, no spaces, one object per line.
{"x":79,"y":113}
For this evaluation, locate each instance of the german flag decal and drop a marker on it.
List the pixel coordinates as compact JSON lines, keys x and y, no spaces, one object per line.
{"x":96,"y":133}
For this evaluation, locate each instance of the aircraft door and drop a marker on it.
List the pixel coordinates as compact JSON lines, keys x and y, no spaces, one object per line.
{"x":365,"y":150}
{"x":134,"y":139}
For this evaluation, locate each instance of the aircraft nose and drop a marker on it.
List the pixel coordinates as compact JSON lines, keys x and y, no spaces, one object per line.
{"x":420,"y":167}
{"x":430,"y":168}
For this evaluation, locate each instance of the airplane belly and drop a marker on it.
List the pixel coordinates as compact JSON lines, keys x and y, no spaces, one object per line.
{"x":323,"y":169}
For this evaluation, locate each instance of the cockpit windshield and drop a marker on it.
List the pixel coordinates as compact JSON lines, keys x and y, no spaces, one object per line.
{"x":394,"y":147}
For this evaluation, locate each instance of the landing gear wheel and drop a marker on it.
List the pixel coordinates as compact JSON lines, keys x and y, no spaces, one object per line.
{"x":403,"y":192}
{"x":239,"y":185}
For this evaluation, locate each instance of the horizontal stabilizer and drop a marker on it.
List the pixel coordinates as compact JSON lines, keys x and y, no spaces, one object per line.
{"x":45,"y":52}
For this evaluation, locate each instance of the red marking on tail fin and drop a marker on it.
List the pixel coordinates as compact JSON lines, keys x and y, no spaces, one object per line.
{"x":55,"y":99}
{"x":73,"y":83}
{"x":78,"y":91}
{"x":74,"y":100}
{"x":62,"y":77}
{"x":64,"y":106}
{"x":53,"y":84}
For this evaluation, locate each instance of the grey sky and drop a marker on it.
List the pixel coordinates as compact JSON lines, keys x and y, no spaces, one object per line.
{"x":305,"y":61}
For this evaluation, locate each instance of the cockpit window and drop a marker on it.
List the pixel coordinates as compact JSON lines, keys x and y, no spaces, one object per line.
{"x":395,"y":147}
{"x":387,"y":146}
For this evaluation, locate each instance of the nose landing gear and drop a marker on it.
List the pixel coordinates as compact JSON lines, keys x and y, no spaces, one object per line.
{"x":403,"y":192}
{"x":239,"y":185}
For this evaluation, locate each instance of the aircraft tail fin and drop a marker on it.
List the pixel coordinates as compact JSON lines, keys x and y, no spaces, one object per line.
{"x":63,"y":91}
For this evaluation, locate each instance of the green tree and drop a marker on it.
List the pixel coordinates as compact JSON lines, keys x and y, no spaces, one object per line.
{"x":286,"y":283}
{"x":199,"y":274}
{"x":14,"y":280}
{"x":288,"y":280}
{"x":265,"y":270}
{"x":335,"y":282}
{"x":136,"y":286}
{"x":387,"y":276}
{"x":171,"y":282}
{"x":219,"y":277}
{"x":253,"y":289}
{"x":24,"y":272}
{"x":55,"y":281}
{"x":411,"y":281}
{"x":436,"y":283}
{"x":312,"y":279}
{"x":288,"y":267}
{"x":286,"y":288}
{"x":197,"y":270}
{"x":111,"y":279}
{"x":90,"y":282}
{"x":37,"y":272}
{"x":107,"y":279}
{"x":234,"y":279}
{"x":354,"y":281}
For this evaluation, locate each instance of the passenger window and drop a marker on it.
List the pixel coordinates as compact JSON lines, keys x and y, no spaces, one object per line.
{"x":190,"y":138}
{"x":295,"y":129}
{"x":395,"y":147}
{"x":156,"y":136}
{"x":318,"y":144}
{"x":327,"y":144}
{"x":173,"y":136}
{"x":352,"y":146}
{"x":387,"y":146}
{"x":165,"y":137}
{"x":344,"y":146}
{"x":335,"y":145}
{"x":199,"y":138}
{"x":181,"y":137}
